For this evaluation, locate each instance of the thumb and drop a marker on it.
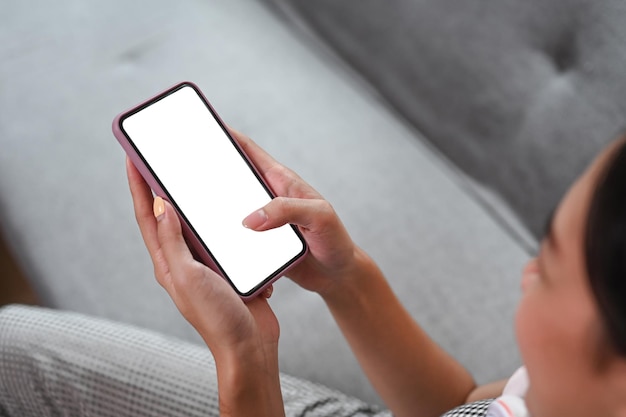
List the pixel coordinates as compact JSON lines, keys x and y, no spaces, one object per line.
{"x":170,"y":236}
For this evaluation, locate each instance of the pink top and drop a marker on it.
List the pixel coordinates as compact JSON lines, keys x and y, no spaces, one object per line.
{"x":511,"y":402}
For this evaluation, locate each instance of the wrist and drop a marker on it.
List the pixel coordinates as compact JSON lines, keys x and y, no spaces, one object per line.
{"x":350,"y":285}
{"x":252,"y":353}
{"x":249,"y":381}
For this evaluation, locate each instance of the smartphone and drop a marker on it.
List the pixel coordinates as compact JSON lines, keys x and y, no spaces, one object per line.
{"x":187,"y":156}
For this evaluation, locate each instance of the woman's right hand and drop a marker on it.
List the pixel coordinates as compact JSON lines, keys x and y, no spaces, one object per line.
{"x":332,"y":253}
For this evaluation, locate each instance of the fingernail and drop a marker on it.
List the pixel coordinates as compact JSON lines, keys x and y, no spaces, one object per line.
{"x":158,"y":207}
{"x":255,"y":220}
{"x":267,"y":293}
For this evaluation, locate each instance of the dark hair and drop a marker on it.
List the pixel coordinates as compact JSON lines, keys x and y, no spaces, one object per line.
{"x":605,"y":246}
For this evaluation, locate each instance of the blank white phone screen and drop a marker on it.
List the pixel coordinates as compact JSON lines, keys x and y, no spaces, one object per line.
{"x":213,"y":186}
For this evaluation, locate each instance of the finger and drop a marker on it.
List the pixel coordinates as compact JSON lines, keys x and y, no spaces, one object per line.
{"x":190,"y":284}
{"x":171,"y":241}
{"x":142,"y":203}
{"x":261,"y":159}
{"x":267,"y":293}
{"x":311,"y":214}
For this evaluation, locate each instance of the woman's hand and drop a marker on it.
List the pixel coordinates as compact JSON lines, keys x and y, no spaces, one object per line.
{"x":382,"y":334}
{"x":205,"y":299}
{"x":242,"y":337}
{"x":332,"y":254}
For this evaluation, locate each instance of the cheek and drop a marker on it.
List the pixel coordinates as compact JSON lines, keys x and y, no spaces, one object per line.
{"x":528,"y":316}
{"x":554,"y":352}
{"x":528,"y":330}
{"x":524,"y":317}
{"x":529,"y":342}
{"x":524,"y":330}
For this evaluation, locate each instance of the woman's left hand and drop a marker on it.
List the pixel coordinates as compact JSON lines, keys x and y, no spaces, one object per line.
{"x":227,"y":324}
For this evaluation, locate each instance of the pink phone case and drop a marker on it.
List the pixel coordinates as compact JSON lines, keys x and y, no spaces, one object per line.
{"x":192,"y":240}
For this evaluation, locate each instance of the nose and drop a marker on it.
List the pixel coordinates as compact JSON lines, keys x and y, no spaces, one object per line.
{"x":531,"y":267}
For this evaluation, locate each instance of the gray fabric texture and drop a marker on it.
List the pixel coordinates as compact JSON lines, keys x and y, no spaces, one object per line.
{"x":519,"y":94}
{"x":68,"y":67}
{"x":56,"y":363}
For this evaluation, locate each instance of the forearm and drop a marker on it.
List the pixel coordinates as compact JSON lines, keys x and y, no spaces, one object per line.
{"x":249,"y":384}
{"x":412,"y":374}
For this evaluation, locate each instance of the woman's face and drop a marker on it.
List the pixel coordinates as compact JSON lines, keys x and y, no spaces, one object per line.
{"x":558,"y":325}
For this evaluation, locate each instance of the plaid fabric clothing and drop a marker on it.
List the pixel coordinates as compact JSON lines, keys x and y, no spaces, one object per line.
{"x":475,"y":409}
{"x":58,"y":363}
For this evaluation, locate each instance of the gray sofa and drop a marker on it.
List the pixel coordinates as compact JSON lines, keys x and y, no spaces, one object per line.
{"x":442,"y":131}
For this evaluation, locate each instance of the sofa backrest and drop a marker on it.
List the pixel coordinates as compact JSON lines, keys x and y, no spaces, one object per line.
{"x":521,"y":95}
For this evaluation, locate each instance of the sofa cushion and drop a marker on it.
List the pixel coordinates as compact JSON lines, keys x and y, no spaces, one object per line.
{"x":69,"y":67}
{"x":519,"y":94}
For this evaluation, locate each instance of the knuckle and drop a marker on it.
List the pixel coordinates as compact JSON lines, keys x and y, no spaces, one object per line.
{"x":186,"y":278}
{"x":170,"y":237}
{"x":326,"y":210}
{"x":281,"y":204}
{"x":160,"y":277}
{"x":327,"y":217}
{"x":292,"y":184}
{"x":283,"y":171}
{"x":278,"y":172}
